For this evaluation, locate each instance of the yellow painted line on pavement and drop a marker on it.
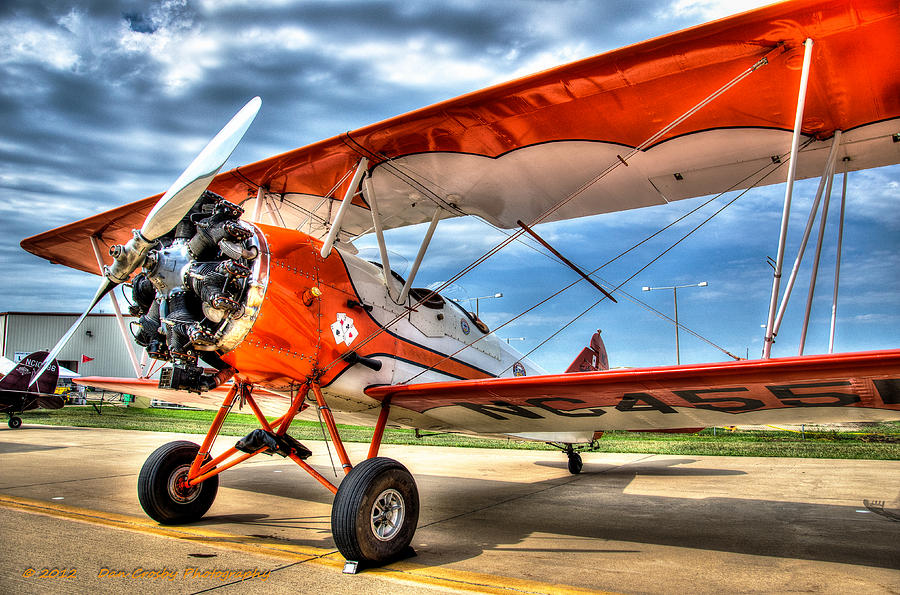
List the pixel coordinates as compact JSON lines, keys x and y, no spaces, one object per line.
{"x":148,"y":526}
{"x":407,"y":572}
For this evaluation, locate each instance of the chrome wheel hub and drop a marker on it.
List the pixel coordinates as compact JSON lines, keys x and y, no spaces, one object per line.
{"x":387,"y":516}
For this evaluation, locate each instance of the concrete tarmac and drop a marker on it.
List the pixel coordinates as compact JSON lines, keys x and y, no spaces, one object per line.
{"x":494,"y":521}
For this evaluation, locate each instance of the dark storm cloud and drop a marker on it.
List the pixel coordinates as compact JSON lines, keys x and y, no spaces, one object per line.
{"x":461,"y":23}
{"x":47,"y":11}
{"x":478,"y":27}
{"x":139,"y":23}
{"x":105,"y":102}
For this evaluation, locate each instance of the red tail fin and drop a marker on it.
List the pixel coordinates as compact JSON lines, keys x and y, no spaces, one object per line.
{"x":592,"y":358}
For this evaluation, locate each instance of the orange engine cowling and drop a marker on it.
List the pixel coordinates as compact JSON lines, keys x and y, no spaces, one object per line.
{"x":257,"y":300}
{"x":293,"y":296}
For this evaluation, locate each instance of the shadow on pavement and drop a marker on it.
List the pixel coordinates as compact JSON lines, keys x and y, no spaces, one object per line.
{"x":463,"y":518}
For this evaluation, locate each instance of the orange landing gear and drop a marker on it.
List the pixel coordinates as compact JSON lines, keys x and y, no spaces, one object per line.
{"x":376,"y":507}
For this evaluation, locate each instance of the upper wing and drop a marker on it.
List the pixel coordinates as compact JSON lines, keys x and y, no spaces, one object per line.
{"x":511,"y":151}
{"x":819,"y":388}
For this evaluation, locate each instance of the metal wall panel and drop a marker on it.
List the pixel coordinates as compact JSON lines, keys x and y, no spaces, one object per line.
{"x":98,"y":337}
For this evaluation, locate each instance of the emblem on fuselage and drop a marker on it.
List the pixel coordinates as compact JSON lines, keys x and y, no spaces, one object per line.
{"x":464,"y":325}
{"x":343,"y":329}
{"x":518,"y":369}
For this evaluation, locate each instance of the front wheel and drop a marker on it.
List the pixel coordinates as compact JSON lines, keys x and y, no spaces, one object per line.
{"x":375,"y":511}
{"x":15,"y":422}
{"x":163,"y":490}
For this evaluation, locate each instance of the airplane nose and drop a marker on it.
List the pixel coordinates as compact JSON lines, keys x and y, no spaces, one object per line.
{"x":200,"y":292}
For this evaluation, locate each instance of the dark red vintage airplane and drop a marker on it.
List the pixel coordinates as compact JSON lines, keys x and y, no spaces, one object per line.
{"x":18,"y":393}
{"x":293,"y":317}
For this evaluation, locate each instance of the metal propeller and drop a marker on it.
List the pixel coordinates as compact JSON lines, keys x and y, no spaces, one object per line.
{"x":166,"y":213}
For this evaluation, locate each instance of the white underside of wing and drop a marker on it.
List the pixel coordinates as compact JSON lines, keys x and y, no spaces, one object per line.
{"x":525,"y":183}
{"x":535,"y":423}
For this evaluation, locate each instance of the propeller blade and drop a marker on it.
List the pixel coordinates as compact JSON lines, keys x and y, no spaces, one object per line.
{"x":104,"y":288}
{"x":185,"y":191}
{"x":168,"y":211}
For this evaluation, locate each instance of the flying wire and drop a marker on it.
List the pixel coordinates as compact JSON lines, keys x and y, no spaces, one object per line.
{"x":618,"y":288}
{"x":555,"y":207}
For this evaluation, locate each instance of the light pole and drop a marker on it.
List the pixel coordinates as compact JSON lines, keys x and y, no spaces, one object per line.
{"x":485,"y":297}
{"x":675,"y":289}
{"x":478,"y":299}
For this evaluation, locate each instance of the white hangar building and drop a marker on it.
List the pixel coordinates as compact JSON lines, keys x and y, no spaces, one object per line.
{"x":96,"y":349}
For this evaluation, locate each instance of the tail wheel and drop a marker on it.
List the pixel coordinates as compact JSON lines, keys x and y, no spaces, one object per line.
{"x":15,"y":422}
{"x":575,"y":463}
{"x":163,"y":490}
{"x":375,"y":511}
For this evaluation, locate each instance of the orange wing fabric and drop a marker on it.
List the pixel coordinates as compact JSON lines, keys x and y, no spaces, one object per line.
{"x":271,"y":403}
{"x":510,"y":151}
{"x":819,"y":388}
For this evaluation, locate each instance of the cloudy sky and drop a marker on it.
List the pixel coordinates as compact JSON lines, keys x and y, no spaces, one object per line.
{"x":105,"y":102}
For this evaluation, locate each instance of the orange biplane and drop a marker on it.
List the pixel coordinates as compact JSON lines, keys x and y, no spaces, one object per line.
{"x":249,"y":276}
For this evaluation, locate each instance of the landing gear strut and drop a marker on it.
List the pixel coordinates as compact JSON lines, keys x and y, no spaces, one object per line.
{"x":376,"y":507}
{"x":15,"y":422}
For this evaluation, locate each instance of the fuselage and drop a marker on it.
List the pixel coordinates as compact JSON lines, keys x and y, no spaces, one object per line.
{"x":272,"y":310}
{"x":310,"y":314}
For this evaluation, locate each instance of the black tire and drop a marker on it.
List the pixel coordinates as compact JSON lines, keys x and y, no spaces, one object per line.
{"x":575,"y":463}
{"x":159,"y":493}
{"x":15,"y":422}
{"x":364,"y":529}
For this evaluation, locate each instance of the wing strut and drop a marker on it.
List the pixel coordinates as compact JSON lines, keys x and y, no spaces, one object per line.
{"x":257,"y":206}
{"x":788,"y":191}
{"x":138,"y":372}
{"x":273,"y":211}
{"x":837,"y":263}
{"x":824,"y":181}
{"x":369,"y":195}
{"x":425,"y":241}
{"x":345,"y":204}
{"x":815,"y":267}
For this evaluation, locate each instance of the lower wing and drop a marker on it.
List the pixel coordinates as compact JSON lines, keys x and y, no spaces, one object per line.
{"x":811,"y":389}
{"x":271,"y":403}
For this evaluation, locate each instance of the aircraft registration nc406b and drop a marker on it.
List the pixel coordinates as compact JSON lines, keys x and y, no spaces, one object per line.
{"x":19,"y":394}
{"x":300,"y":325}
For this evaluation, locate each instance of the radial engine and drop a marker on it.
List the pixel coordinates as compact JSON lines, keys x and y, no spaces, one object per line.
{"x":198,"y":293}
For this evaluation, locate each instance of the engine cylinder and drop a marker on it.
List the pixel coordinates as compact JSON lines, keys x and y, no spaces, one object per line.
{"x":195,"y":298}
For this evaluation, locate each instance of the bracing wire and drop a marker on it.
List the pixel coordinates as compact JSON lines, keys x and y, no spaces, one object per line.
{"x":621,"y":161}
{"x":618,"y":288}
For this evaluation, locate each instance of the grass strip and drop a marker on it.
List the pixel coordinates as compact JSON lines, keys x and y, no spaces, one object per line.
{"x":877,"y":441}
